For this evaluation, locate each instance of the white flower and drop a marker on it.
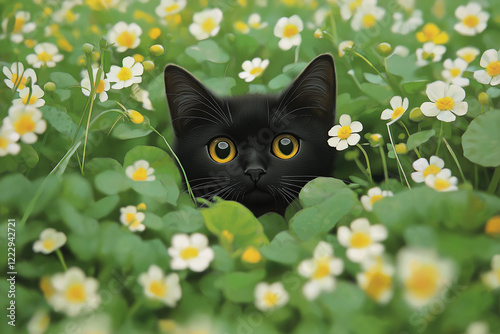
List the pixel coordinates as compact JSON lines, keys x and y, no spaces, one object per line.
{"x":345,"y":134}
{"x":446,"y":101}
{"x":270,"y":296}
{"x":141,"y":95}
{"x":160,"y":287}
{"x":17,"y":76}
{"x":362,"y":239}
{"x":376,"y":280}
{"x":131,"y":218}
{"x":49,"y":241}
{"x":206,"y":23}
{"x":345,"y":46}
{"x":424,"y":275}
{"x":402,"y":26}
{"x":255,"y":21}
{"x":400,"y":50}
{"x":170,"y":7}
{"x":442,"y":181}
{"x":35,"y":94}
{"x":424,"y":168}
{"x":102,"y":87}
{"x":126,"y":75}
{"x":27,"y":122}
{"x":398,"y":105}
{"x":253,"y":69}
{"x":66,"y":13}
{"x":492,"y":278}
{"x":468,"y":53}
{"x":140,"y":171}
{"x":21,"y":27}
{"x":349,"y":7}
{"x":39,"y":322}
{"x":453,"y":71}
{"x":190,"y":252}
{"x":490,"y":61}
{"x":46,"y":54}
{"x":320,"y":270}
{"x":408,"y":5}
{"x":74,"y":293}
{"x":478,"y":327}
{"x":430,"y":52}
{"x":367,"y":16}
{"x":472,"y":19}
{"x":374,"y":195}
{"x":288,"y":29}
{"x":125,"y":36}
{"x":8,"y":140}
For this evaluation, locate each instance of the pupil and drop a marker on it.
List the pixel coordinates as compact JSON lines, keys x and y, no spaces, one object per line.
{"x":286,"y":146}
{"x":222,"y":150}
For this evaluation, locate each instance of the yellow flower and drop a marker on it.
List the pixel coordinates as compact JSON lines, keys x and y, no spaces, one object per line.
{"x":133,"y":219}
{"x":140,"y":171}
{"x":492,"y":226}
{"x":154,"y":33}
{"x":135,"y":116}
{"x":251,"y":255}
{"x":160,"y":287}
{"x":431,"y":33}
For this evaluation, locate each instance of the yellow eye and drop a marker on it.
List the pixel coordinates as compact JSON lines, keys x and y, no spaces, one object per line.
{"x":222,"y":150}
{"x":285,"y":146}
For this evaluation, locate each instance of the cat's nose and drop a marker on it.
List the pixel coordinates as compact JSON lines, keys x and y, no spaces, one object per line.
{"x":255,"y":173}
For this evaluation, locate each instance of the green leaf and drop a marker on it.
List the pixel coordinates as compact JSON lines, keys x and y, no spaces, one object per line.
{"x":318,"y":190}
{"x":220,"y":86}
{"x":60,"y":120}
{"x":279,"y":82}
{"x":63,"y":79}
{"x":102,"y":207}
{"x":111,"y":182}
{"x":414,"y":87}
{"x":207,"y":50}
{"x":77,"y":190}
{"x":419,"y":138}
{"x":378,"y":92}
{"x":153,"y":222}
{"x":222,"y":259}
{"x":344,"y":300}
{"x":129,"y":130}
{"x":294,"y":69}
{"x":239,"y":287}
{"x":283,"y":249}
{"x":481,"y":140}
{"x":29,"y":155}
{"x":187,"y":220}
{"x":273,"y":223}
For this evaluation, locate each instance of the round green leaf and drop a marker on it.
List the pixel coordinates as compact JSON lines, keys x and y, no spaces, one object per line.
{"x":481,"y":140}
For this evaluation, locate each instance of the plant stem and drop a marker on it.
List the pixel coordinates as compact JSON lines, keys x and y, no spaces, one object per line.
{"x":362,"y":168}
{"x":368,"y":169}
{"x":61,"y":258}
{"x":384,"y":165}
{"x":450,"y":149}
{"x":439,"y":138}
{"x":372,"y":66}
{"x":494,"y":181}
{"x":397,"y":158}
{"x":408,"y":133}
{"x":134,"y":308}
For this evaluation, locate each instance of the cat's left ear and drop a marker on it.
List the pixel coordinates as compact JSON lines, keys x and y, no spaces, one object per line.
{"x":314,"y":91}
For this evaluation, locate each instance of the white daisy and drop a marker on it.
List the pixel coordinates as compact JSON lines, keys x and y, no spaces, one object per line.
{"x":367,"y":16}
{"x":270,"y":296}
{"x":131,"y":218}
{"x":27,"y":122}
{"x":49,"y":241}
{"x":140,"y":171}
{"x":21,"y":26}
{"x":253,"y":69}
{"x":349,"y":7}
{"x":206,"y":23}
{"x":255,"y":22}
{"x":446,"y":101}
{"x":190,"y":252}
{"x":125,"y":36}
{"x":373,"y":195}
{"x":398,"y":105}
{"x":453,"y":71}
{"x":170,"y":7}
{"x":17,"y":77}
{"x":157,"y":286}
{"x":430,"y":52}
{"x":102,"y":87}
{"x":468,"y":53}
{"x":376,"y":280}
{"x":490,"y":61}
{"x":8,"y":140}
{"x":126,"y":75}
{"x":345,"y":134}
{"x":402,"y":26}
{"x":362,"y":240}
{"x":492,"y":278}
{"x":442,"y":181}
{"x":320,"y":270}
{"x":424,"y":168}
{"x":35,"y":94}
{"x":46,"y":54}
{"x":288,"y":29}
{"x":74,"y":293}
{"x":472,"y":19}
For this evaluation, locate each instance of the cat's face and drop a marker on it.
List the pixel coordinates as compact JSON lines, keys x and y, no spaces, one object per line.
{"x":259,"y":150}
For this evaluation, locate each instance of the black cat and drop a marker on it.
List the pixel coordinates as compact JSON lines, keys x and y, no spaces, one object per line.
{"x":257,"y":149}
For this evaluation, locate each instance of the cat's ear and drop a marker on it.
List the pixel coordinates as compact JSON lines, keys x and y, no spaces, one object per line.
{"x":314,"y":91}
{"x":190,"y":103}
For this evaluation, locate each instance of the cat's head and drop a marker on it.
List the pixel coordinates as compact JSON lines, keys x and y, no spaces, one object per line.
{"x":259,"y":150}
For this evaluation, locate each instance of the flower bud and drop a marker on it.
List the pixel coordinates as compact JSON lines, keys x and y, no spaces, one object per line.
{"x":401,"y":148}
{"x":492,"y":226}
{"x":351,"y":155}
{"x":251,"y":255}
{"x":87,"y":48}
{"x":156,"y":50}
{"x":49,"y":87}
{"x":483,"y":99}
{"x":384,"y":49}
{"x":148,"y":65}
{"x":375,"y":139}
{"x":416,"y":115}
{"x":154,"y":33}
{"x":135,"y":116}
{"x":318,"y":33}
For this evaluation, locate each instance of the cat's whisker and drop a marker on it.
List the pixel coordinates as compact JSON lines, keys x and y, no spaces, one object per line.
{"x":292,"y":185}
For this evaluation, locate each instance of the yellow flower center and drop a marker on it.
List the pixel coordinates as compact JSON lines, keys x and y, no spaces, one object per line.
{"x":256,"y":71}
{"x":189,"y":253}
{"x":455,"y":72}
{"x":431,"y":169}
{"x":360,"y":240}
{"x":445,"y":103}
{"x":100,"y":87}
{"x":44,"y":57}
{"x":126,"y":39}
{"x":241,"y":27}
{"x":397,"y":112}
{"x":375,"y":198}
{"x":227,"y":235}
{"x":18,"y":25}
{"x":441,"y":184}
{"x":125,"y":74}
{"x":141,"y":206}
{"x":130,"y":217}
{"x":493,"y":68}
{"x":32,"y":100}
{"x":19,"y":81}
{"x":322,"y":269}
{"x":354,"y":5}
{"x":369,"y":20}
{"x":208,"y":25}
{"x":290,"y":30}
{"x":158,"y":288}
{"x":48,"y":244}
{"x":251,"y":255}
{"x":428,"y":55}
{"x":140,"y":174}
{"x":493,"y":226}
{"x":172,"y":8}
{"x":470,"y":21}
{"x":270,"y":299}
{"x":69,"y":16}
{"x":344,"y":132}
{"x":469,"y":57}
{"x":75,"y":293}
{"x":3,"y":143}
{"x":377,"y":282}
{"x":498,"y":275}
{"x":423,"y":282}
{"x":24,"y":124}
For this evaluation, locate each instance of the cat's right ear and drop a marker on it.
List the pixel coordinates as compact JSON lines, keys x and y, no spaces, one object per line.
{"x":187,"y":100}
